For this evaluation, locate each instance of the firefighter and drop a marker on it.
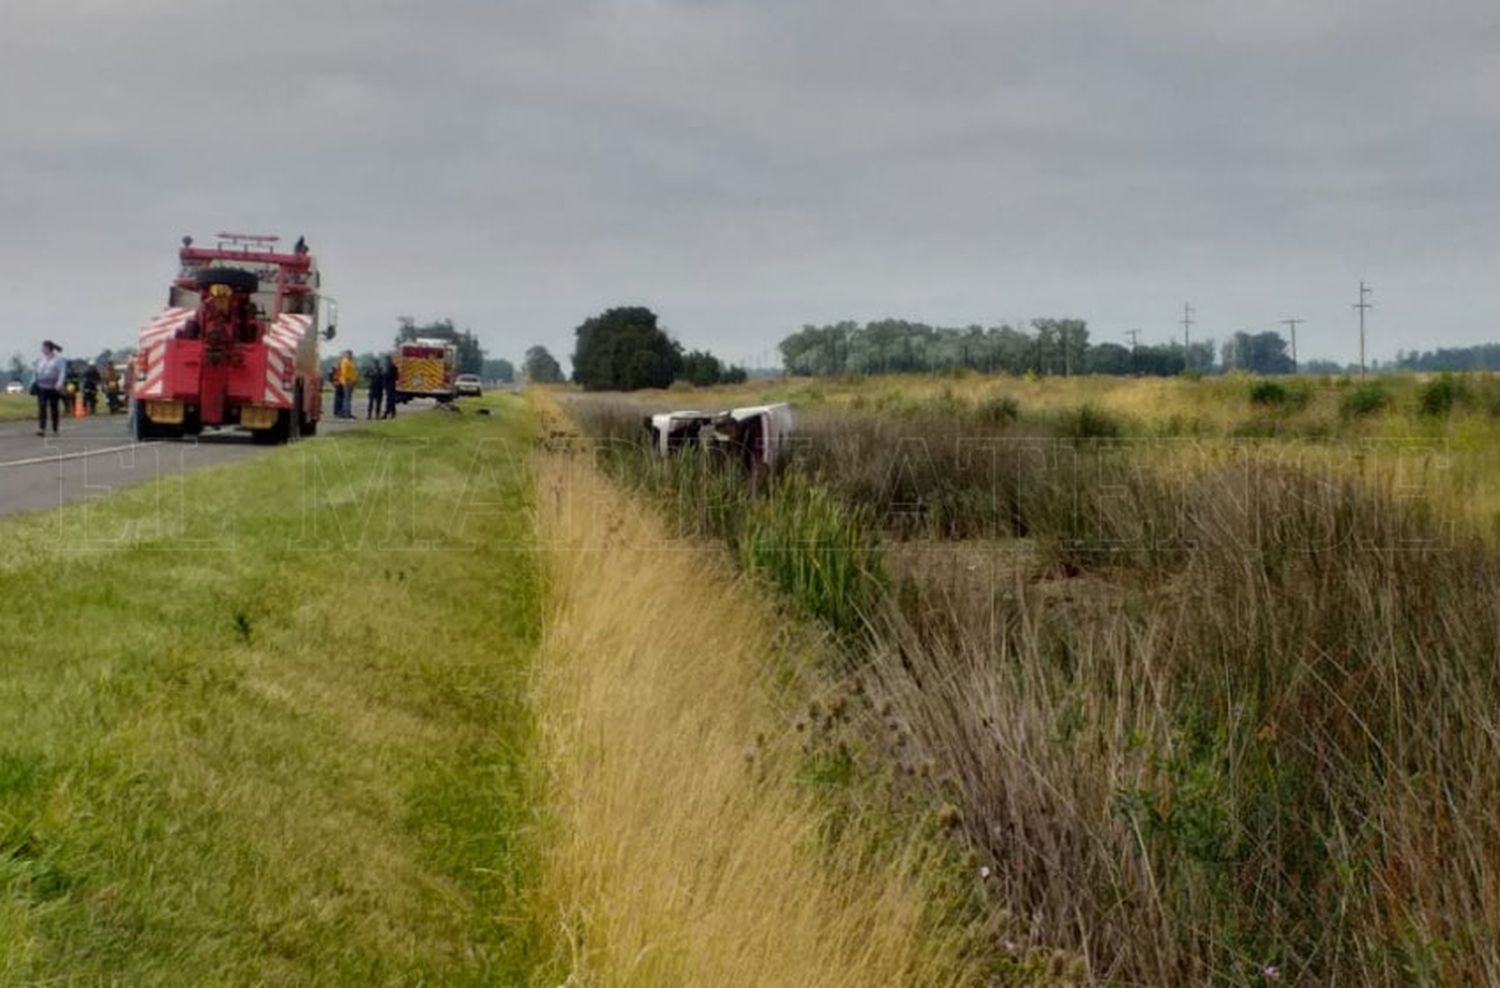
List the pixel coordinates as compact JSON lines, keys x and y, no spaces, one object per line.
{"x":91,"y":380}
{"x":112,"y":387}
{"x":392,"y":378}
{"x":348,"y":377}
{"x":375,"y":382}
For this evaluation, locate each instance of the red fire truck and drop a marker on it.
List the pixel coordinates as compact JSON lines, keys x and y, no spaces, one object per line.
{"x":427,"y":368}
{"x":237,"y":344}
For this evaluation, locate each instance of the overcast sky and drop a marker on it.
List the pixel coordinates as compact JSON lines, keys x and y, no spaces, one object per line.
{"x":747,"y":167}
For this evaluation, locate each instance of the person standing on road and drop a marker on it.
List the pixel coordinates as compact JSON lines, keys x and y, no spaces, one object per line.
{"x":47,"y":385}
{"x":348,"y":377}
{"x":91,"y":380}
{"x":375,"y":381}
{"x":392,"y":377}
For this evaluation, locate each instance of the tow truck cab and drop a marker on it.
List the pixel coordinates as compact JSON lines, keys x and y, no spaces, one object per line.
{"x":237,"y":344}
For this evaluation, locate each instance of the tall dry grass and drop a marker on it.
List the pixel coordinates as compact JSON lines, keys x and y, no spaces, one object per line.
{"x":1233,"y":724}
{"x":688,"y":849}
{"x":1275,"y":751}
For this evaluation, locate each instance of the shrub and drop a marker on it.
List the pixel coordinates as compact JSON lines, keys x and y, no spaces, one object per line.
{"x":1274,"y":394}
{"x":999,"y":410}
{"x":945,"y":402}
{"x":1365,"y":400}
{"x":1266,"y":392}
{"x":1486,"y":395}
{"x":1437,"y":398}
{"x":1089,"y":421}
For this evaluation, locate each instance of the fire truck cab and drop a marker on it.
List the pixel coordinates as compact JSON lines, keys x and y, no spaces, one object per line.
{"x":427,"y":368}
{"x":237,"y":345}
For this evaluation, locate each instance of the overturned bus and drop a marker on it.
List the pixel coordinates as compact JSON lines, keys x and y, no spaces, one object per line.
{"x":754,"y":435}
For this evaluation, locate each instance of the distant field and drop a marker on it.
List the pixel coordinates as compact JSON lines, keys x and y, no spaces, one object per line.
{"x":252,"y":733}
{"x":1439,"y":432}
{"x":1307,"y":406}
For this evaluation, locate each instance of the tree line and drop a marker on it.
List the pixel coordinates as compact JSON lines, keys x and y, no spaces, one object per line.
{"x":1049,"y":347}
{"x":1482,"y":357}
{"x":1063,"y":347}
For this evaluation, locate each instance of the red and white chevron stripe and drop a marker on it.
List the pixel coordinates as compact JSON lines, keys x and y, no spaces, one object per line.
{"x":282,"y":339}
{"x":153,"y":344}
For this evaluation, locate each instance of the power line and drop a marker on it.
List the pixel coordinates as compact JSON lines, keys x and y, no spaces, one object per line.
{"x":1135,"y":339}
{"x":1292,"y":324}
{"x":1363,"y":306}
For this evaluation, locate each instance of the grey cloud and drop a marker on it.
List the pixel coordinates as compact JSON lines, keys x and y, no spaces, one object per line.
{"x":745,"y":167}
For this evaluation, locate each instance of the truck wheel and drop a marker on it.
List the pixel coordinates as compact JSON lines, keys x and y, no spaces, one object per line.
{"x":144,"y":430}
{"x":277,"y":434}
{"x":236,"y":279}
{"x":147,"y":430}
{"x":294,"y":416}
{"x":306,"y":424}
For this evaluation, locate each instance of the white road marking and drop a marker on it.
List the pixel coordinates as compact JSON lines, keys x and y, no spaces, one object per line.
{"x":60,"y":457}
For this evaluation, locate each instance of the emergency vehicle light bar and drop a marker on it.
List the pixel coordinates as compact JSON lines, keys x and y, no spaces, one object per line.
{"x":247,"y":238}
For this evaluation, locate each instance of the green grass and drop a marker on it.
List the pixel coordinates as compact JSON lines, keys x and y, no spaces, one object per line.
{"x":263,"y":724}
{"x":820,"y":553}
{"x":17,"y":408}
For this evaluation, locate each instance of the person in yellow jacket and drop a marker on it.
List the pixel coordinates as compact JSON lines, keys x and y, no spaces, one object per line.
{"x":345,"y":376}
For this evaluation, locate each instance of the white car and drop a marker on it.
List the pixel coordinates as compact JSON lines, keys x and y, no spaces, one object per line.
{"x":468,"y":385}
{"x":15,"y":388}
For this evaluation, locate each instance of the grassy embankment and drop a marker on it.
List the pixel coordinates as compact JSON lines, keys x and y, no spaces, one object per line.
{"x":264,"y":732}
{"x":260,"y":732}
{"x":1231,"y":726}
{"x":698,"y":840}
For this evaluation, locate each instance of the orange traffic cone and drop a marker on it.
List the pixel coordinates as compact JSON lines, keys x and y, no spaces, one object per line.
{"x":78,"y":404}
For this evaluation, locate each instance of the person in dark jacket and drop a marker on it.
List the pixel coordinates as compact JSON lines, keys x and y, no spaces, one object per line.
{"x":375,"y":385}
{"x":392,"y":376}
{"x":91,"y":380}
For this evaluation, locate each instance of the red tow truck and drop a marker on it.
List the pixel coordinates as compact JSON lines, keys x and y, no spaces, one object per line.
{"x":237,"y":344}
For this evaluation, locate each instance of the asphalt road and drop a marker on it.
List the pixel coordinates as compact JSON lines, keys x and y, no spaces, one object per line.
{"x":91,"y":457}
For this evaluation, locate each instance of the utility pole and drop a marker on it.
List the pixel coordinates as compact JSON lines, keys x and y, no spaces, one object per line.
{"x":1187,"y":324}
{"x":1365,"y":291}
{"x":1135,"y":344}
{"x":1292,"y":325}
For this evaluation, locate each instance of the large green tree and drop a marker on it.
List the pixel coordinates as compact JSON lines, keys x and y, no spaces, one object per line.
{"x":701,"y":368}
{"x":499,"y":369}
{"x":623,"y":349}
{"x":1260,"y":353}
{"x":541,"y":367}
